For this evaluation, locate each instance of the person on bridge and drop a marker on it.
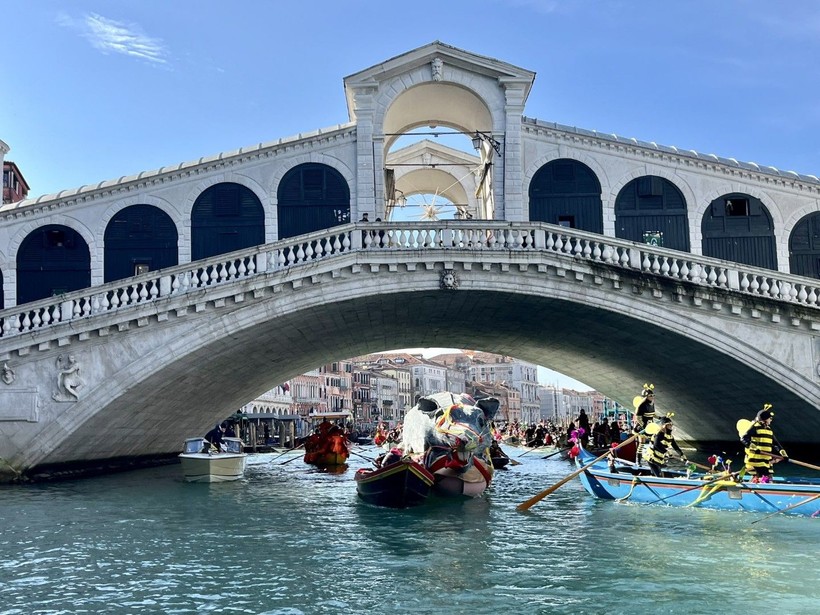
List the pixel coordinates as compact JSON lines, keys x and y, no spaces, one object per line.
{"x":644,"y":408}
{"x":759,"y":441}
{"x":658,"y":450}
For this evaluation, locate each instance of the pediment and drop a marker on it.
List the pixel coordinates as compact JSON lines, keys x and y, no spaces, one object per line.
{"x":453,"y":56}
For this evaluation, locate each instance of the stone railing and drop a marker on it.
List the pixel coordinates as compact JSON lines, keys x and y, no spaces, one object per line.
{"x":534,"y":237}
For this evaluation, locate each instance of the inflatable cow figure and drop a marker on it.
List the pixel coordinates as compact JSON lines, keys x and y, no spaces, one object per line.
{"x":451,"y":434}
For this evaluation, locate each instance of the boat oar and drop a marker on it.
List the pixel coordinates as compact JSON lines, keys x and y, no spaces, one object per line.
{"x":289,"y":460}
{"x":794,"y":461}
{"x":290,"y":450}
{"x":782,"y":510}
{"x":514,"y":462}
{"x":537,"y":498}
{"x":553,"y":454}
{"x":533,"y":449}
{"x":362,"y":456}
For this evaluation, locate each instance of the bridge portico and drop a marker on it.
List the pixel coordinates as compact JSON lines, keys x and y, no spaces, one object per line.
{"x":165,"y":354}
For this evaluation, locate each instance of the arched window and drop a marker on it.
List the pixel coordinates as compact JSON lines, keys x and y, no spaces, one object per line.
{"x":651,"y":209}
{"x":804,"y":247}
{"x":737,"y":227}
{"x":226,"y":217}
{"x":139,"y":238}
{"x":52,"y":260}
{"x":312,"y":197}
{"x":568,"y":193}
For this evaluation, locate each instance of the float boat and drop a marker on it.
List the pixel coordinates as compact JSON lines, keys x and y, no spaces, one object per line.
{"x":635,"y":483}
{"x":201,"y":465}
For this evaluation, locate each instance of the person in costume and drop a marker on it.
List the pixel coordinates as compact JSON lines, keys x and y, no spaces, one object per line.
{"x":644,"y":408}
{"x":658,"y":450}
{"x":760,"y":444}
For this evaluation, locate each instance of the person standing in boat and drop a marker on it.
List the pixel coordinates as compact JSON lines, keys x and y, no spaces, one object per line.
{"x":214,"y":437}
{"x":760,"y":443}
{"x":658,"y":451}
{"x":644,"y":408}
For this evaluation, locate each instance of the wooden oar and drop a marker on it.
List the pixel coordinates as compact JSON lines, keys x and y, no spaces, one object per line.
{"x":537,"y":498}
{"x":794,"y":461}
{"x":362,"y":456}
{"x":782,"y":510}
{"x":533,"y":449}
{"x":514,"y":462}
{"x":553,"y":454}
{"x":289,"y":460}
{"x":290,"y":450}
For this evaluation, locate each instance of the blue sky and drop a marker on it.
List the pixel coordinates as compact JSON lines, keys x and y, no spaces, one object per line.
{"x":94,"y":90}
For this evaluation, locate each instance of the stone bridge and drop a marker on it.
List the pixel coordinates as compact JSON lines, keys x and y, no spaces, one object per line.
{"x":124,"y":371}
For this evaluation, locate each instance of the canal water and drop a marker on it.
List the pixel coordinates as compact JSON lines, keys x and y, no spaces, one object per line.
{"x":290,"y":540}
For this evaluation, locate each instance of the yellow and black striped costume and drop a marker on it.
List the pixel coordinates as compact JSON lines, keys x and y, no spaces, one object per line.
{"x":758,"y":441}
{"x":659,"y":449}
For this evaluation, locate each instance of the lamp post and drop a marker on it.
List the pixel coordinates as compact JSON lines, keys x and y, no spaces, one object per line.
{"x":479,"y":136}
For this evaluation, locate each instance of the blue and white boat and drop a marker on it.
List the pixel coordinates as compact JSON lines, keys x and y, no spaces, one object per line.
{"x":634,"y":483}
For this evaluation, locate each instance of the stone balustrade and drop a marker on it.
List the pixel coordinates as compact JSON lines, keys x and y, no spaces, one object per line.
{"x":389,"y":236}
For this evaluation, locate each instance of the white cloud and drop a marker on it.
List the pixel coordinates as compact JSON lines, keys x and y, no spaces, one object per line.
{"x":111,"y":36}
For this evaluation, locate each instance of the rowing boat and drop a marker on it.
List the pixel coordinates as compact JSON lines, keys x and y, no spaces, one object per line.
{"x":634,"y":483}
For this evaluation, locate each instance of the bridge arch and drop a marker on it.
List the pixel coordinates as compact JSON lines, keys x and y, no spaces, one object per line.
{"x":311,"y":197}
{"x":137,"y":239}
{"x":567,"y":192}
{"x":289,"y":332}
{"x":225,"y":217}
{"x":312,"y":158}
{"x":52,"y":260}
{"x":185,"y":229}
{"x":652,"y":202}
{"x":804,"y":246}
{"x":737,"y":226}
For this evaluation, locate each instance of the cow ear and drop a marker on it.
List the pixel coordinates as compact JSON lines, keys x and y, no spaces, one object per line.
{"x":489,"y":405}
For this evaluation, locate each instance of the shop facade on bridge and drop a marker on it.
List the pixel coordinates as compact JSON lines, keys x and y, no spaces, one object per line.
{"x":511,"y":168}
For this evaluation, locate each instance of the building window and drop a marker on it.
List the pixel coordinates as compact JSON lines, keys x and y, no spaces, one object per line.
{"x":737,"y":207}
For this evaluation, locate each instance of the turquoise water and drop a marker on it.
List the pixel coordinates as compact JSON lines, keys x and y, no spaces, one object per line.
{"x":289,"y":540}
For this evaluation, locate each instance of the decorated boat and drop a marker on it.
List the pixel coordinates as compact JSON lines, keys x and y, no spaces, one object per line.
{"x":721,"y":490}
{"x":328,"y":445}
{"x":202,"y":464}
{"x":401,"y":483}
{"x":450,"y":434}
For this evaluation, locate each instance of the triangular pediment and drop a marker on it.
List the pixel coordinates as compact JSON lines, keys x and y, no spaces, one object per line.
{"x":411,"y":60}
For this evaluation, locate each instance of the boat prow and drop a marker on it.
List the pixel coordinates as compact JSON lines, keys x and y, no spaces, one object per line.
{"x":401,"y":484}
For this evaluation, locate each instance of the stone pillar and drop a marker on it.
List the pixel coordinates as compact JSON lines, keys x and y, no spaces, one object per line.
{"x":509,"y":197}
{"x":368,"y":153}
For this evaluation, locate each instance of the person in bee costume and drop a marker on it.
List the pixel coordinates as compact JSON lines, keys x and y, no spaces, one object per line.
{"x":644,"y":408}
{"x":658,"y":451}
{"x":760,"y":445}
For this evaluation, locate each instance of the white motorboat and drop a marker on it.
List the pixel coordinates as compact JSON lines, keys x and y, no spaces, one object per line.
{"x":202,"y":465}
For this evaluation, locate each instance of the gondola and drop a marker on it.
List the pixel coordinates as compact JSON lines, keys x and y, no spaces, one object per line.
{"x":400,"y":484}
{"x":500,"y":462}
{"x":721,"y":491}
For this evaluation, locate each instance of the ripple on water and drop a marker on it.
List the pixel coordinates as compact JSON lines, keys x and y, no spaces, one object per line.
{"x":288,"y":540}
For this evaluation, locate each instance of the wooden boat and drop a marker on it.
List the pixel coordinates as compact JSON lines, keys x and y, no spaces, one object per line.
{"x":500,"y":462}
{"x":328,"y":446}
{"x":201,"y":466}
{"x":634,"y":483}
{"x":400,"y":484}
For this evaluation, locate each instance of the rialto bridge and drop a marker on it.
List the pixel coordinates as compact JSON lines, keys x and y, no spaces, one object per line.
{"x":611,"y":260}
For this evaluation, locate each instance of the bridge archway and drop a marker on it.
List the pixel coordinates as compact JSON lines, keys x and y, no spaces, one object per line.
{"x":567,"y":192}
{"x":52,"y":260}
{"x":804,"y":246}
{"x":738,"y":227}
{"x":139,"y":238}
{"x":649,"y":205}
{"x":311,"y":196}
{"x":226,"y":217}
